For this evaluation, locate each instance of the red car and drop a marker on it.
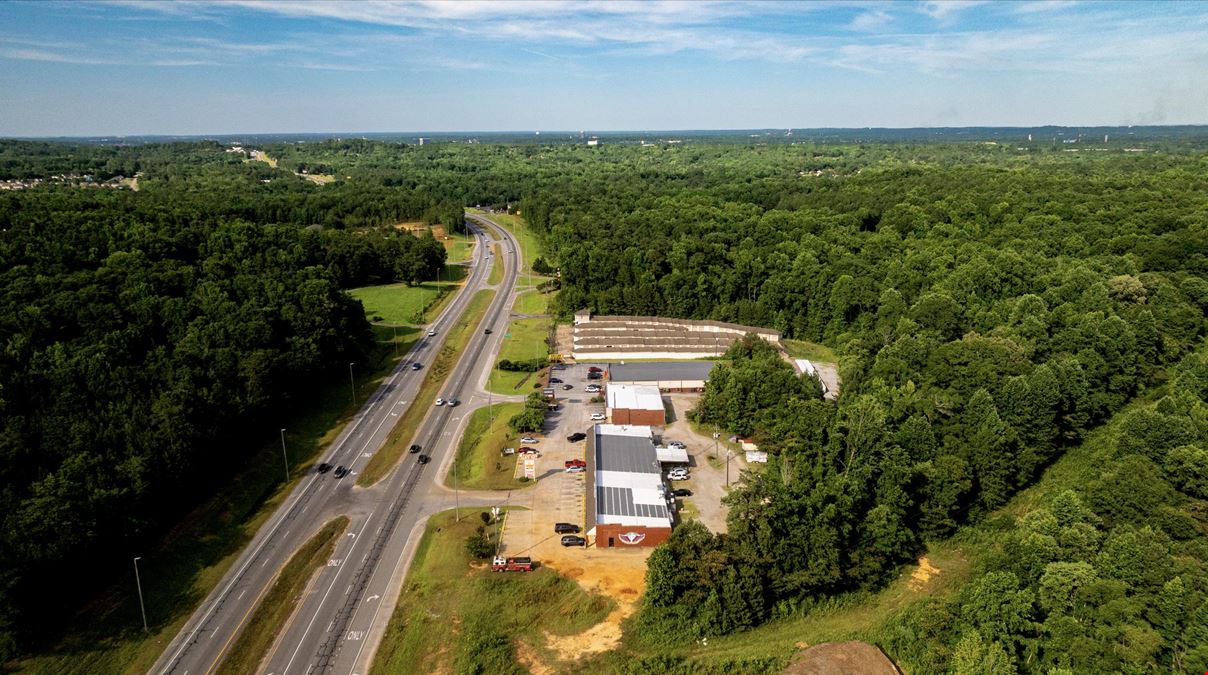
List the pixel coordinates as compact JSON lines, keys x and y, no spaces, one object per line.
{"x":595,"y":369}
{"x":525,"y":450}
{"x":575,"y":462}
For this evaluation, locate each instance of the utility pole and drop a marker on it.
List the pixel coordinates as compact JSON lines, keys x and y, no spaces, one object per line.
{"x":284,"y":456}
{"x":138,"y":582}
{"x":729,"y":456}
{"x":352,"y":384}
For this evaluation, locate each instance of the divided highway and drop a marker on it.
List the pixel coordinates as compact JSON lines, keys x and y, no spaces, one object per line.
{"x":339,"y":621}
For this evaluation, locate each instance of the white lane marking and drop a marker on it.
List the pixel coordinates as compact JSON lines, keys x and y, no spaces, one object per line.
{"x":323,"y":600}
{"x":241,"y":594}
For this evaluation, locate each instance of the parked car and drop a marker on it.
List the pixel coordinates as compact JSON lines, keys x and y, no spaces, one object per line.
{"x":529,"y":439}
{"x":595,"y":369}
{"x":596,"y":417}
{"x":567,"y":387}
{"x":323,"y":468}
{"x":440,"y":401}
{"x":555,"y":380}
{"x":576,"y":437}
{"x":414,"y":448}
{"x":678,"y":474}
{"x":676,"y":444}
{"x":681,"y":492}
{"x":525,"y":450}
{"x":576,"y":469}
{"x":574,"y":462}
{"x":595,"y":376}
{"x":340,"y":472}
{"x":416,"y":366}
{"x":574,"y":540}
{"x":423,"y":459}
{"x":558,"y":367}
{"x":507,"y":451}
{"x":592,"y":389}
{"x":566,"y":528}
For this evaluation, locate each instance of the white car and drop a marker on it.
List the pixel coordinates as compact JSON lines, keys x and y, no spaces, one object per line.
{"x":431,"y":332}
{"x":596,"y":417}
{"x":678,"y":474}
{"x":440,"y":401}
{"x":529,"y":439}
{"x":575,"y":469}
{"x":592,"y":389}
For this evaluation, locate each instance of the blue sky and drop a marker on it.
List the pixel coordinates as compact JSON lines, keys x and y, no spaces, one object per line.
{"x":246,"y":66}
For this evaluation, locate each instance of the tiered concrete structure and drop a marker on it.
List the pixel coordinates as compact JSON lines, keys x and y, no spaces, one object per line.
{"x":653,"y":337}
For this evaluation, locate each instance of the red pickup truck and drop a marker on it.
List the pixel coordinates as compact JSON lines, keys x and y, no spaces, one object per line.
{"x":502,"y":564}
{"x":575,"y":462}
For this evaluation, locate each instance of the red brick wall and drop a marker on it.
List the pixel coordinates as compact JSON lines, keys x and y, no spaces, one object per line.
{"x":654,"y":418}
{"x":654,"y":535}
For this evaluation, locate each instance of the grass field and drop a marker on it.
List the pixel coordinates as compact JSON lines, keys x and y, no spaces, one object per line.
{"x":802,"y":349}
{"x":106,"y":636}
{"x":455,"y":616}
{"x":275,"y":608}
{"x":531,"y":302}
{"x":435,"y":374}
{"x":459,"y":247}
{"x":479,"y":466}
{"x":400,"y":304}
{"x":524,"y":340}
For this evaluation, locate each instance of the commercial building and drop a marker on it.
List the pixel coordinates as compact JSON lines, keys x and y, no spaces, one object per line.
{"x":627,"y":501}
{"x":668,"y":376}
{"x":635,"y":404}
{"x":654,"y":337}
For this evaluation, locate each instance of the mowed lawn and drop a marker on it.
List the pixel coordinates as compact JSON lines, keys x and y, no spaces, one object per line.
{"x":458,"y":247}
{"x":400,"y":304}
{"x":454,"y":615}
{"x":531,"y":302}
{"x":524,"y":340}
{"x":478,"y":465}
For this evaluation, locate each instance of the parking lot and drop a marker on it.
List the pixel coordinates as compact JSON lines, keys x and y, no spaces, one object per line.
{"x":558,"y":497}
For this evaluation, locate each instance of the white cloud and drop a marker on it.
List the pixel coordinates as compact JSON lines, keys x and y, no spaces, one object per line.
{"x":944,"y":10}
{"x":870,"y":20}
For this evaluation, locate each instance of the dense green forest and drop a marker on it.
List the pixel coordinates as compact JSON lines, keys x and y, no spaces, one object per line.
{"x":991,"y":304}
{"x":147,"y":335}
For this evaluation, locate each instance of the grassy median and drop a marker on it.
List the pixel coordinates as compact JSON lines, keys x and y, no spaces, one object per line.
{"x":491,"y":613}
{"x":496,"y":266}
{"x":479,"y":466}
{"x":435,"y":375}
{"x":278,"y":603}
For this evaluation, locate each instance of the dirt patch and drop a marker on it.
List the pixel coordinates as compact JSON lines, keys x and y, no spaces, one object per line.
{"x":602,"y":637}
{"x":413,"y":226}
{"x":527,"y":657}
{"x":922,"y":575}
{"x":842,"y":658}
{"x":620,"y":575}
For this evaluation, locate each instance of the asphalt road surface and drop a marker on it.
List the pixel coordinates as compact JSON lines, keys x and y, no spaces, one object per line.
{"x":341,"y":617}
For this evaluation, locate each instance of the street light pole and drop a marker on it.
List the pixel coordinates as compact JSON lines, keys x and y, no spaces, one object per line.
{"x":284,"y":456}
{"x":352,"y":385}
{"x":729,"y":456}
{"x":138,"y":582}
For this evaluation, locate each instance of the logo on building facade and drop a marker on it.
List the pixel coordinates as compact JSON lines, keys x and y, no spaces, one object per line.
{"x":632,"y":538}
